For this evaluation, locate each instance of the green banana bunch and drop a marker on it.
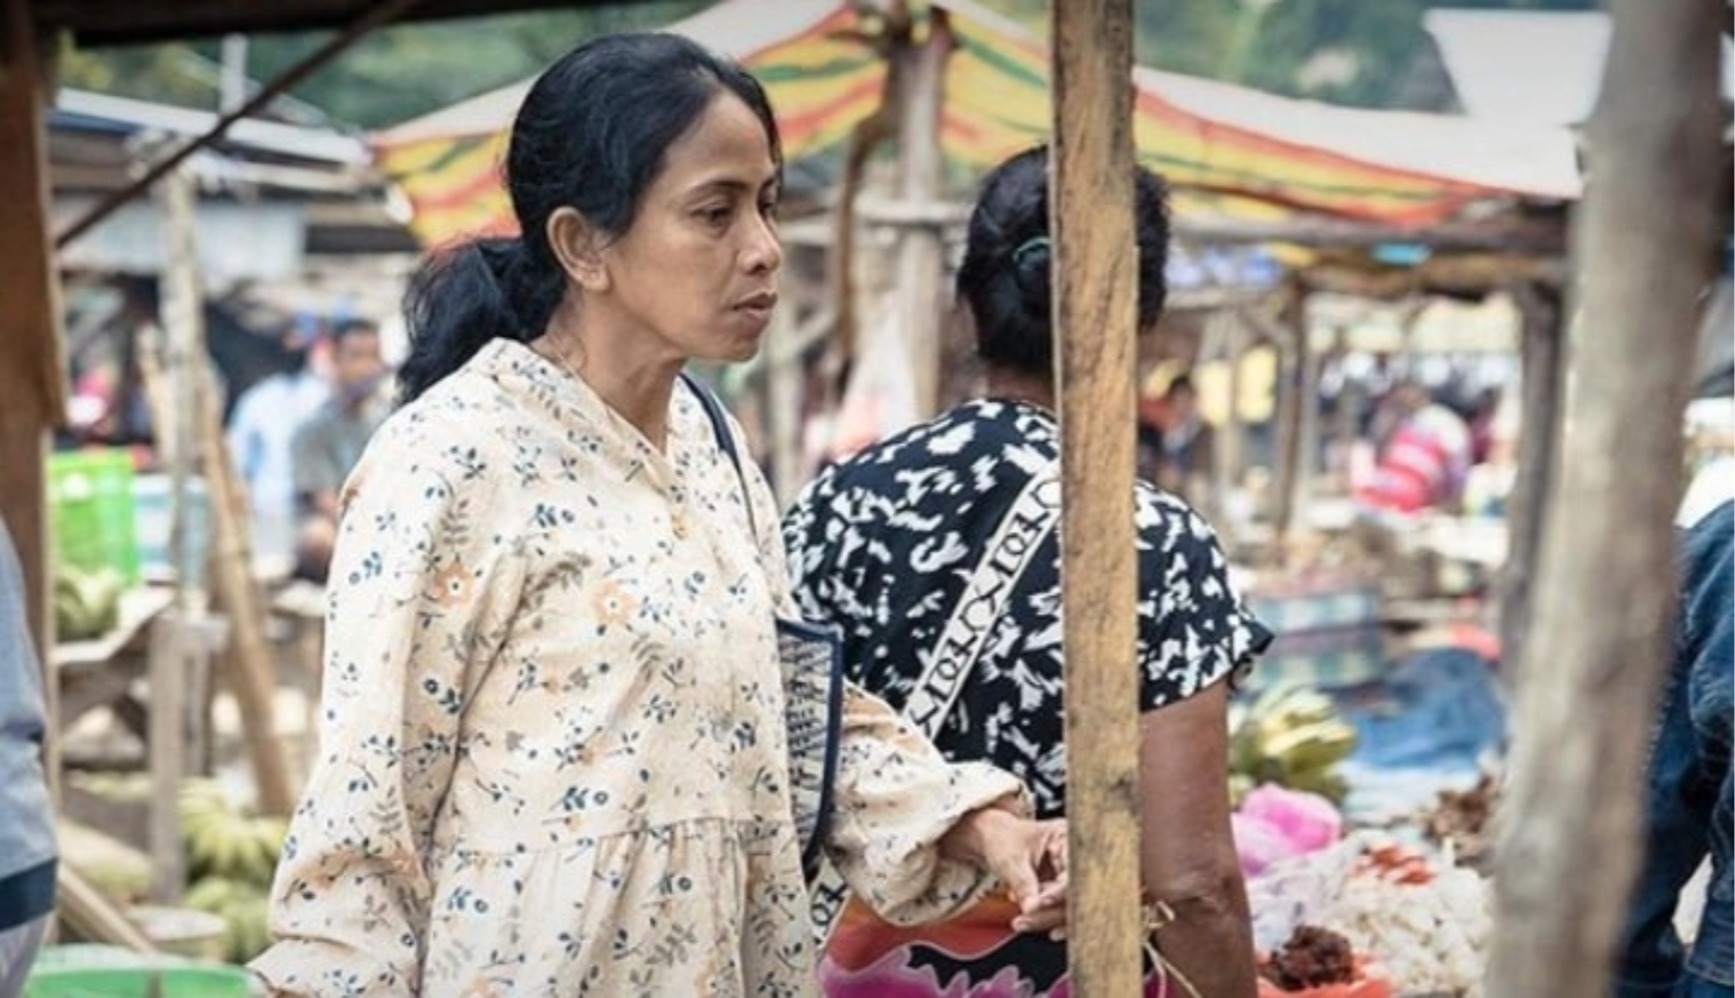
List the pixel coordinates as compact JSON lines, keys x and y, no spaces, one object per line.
{"x":221,"y":840}
{"x":243,"y":908}
{"x":1291,"y":736}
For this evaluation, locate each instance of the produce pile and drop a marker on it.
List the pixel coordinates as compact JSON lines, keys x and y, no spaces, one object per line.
{"x":86,"y":601}
{"x":1311,"y":957}
{"x":1462,"y":822}
{"x":1291,"y":736}
{"x":1426,"y":922}
{"x":231,"y":856}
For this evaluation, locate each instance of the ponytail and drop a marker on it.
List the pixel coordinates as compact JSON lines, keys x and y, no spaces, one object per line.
{"x":463,"y":297}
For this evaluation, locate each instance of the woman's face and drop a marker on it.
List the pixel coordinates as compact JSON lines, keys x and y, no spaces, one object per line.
{"x":697,"y":270}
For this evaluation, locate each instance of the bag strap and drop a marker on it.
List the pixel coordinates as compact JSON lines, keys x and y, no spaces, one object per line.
{"x":725,"y":442}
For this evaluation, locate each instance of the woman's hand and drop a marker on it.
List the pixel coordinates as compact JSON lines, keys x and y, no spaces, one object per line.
{"x":1029,"y":858}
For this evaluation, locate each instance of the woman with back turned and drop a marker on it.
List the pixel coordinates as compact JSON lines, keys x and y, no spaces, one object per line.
{"x":936,"y":553}
{"x":554,"y":754}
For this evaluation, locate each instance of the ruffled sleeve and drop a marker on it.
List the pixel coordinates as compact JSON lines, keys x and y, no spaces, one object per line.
{"x":896,"y":798}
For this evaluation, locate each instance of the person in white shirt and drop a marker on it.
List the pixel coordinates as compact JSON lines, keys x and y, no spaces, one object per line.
{"x":261,"y":436}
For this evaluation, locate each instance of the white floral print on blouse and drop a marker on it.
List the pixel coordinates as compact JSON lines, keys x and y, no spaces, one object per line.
{"x":551,"y":757}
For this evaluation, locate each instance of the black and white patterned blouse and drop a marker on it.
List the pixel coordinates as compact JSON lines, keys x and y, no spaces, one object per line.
{"x":883,"y":545}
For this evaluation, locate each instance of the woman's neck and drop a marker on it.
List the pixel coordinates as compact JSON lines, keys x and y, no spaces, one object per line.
{"x":1021,"y":386}
{"x":635,"y":382}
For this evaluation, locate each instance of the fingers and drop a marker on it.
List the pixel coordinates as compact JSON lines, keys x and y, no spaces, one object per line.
{"x":1050,"y":920}
{"x":1052,"y":895}
{"x":1055,"y":854}
{"x":1018,"y":875}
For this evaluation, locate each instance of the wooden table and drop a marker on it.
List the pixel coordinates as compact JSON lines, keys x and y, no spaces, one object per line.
{"x":150,"y":642}
{"x":99,"y":671}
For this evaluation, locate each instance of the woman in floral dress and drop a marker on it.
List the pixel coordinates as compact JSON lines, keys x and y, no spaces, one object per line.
{"x":553,"y":755}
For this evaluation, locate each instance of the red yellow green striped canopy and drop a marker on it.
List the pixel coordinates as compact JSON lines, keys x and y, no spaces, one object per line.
{"x":1226,"y":150}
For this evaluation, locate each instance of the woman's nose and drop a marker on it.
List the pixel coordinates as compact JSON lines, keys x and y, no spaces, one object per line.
{"x":765,"y":250}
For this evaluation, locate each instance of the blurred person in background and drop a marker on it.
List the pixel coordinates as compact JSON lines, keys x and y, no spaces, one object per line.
{"x":326,"y":448}
{"x":261,"y":439}
{"x":1422,"y":457}
{"x":1186,"y":451}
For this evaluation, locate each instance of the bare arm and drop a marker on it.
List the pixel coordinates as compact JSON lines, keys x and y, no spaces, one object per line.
{"x":1187,"y":855}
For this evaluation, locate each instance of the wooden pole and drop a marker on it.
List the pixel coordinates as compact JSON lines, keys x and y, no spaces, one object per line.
{"x":1291,"y":407}
{"x":867,"y":135}
{"x":31,"y":368}
{"x":921,"y":267}
{"x":1504,"y":235}
{"x":1570,"y":835}
{"x":168,"y":656}
{"x":1231,"y":440}
{"x":1542,"y":353}
{"x":1095,"y":329}
{"x":253,"y":677}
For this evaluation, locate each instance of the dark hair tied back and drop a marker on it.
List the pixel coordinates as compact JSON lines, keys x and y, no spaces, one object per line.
{"x":593,"y":134}
{"x":1032,"y":264}
{"x":1005,"y":277}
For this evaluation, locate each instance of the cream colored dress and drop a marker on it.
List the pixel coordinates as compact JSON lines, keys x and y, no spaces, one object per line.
{"x":552,"y":757}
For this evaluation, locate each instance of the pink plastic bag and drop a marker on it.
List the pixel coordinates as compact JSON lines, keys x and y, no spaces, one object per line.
{"x":1275,"y":824}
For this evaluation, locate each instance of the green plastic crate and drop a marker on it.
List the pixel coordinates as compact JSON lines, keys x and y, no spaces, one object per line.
{"x":92,"y":971}
{"x":91,"y":505}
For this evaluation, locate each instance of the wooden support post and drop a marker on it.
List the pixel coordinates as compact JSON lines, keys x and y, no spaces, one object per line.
{"x":253,"y":679}
{"x":1291,"y":407}
{"x":921,"y":267}
{"x":1095,"y":329}
{"x":31,"y":370}
{"x":1571,"y":820}
{"x":170,"y":638}
{"x":168,"y":741}
{"x":1311,"y":447}
{"x":1231,"y":442}
{"x":1542,"y":353}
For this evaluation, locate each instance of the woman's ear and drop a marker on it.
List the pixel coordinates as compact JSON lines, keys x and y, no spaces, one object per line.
{"x":578,"y":246}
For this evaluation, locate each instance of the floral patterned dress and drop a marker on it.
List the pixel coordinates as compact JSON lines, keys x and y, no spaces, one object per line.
{"x":552,"y":759}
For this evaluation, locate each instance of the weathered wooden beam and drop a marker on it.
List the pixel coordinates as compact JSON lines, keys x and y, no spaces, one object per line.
{"x":1468,"y":274}
{"x":1095,"y":320}
{"x":1571,"y":822}
{"x":868,"y":135}
{"x":1542,"y":356}
{"x":380,"y":14}
{"x":254,"y":679}
{"x":1542,"y":236}
{"x":921,"y":263}
{"x":1293,"y":399}
{"x":31,"y":369}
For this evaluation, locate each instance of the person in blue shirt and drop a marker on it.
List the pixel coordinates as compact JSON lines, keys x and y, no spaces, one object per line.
{"x":1688,"y":797}
{"x":27,"y":848}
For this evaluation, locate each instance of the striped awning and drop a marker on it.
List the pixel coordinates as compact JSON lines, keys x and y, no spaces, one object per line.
{"x":1226,"y":150}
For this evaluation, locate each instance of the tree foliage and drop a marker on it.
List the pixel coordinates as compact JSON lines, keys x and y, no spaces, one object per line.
{"x":393,"y":75}
{"x":1353,"y":52}
{"x":1348,"y":51}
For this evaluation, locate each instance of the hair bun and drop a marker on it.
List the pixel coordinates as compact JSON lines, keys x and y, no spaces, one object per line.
{"x":1030,"y":272}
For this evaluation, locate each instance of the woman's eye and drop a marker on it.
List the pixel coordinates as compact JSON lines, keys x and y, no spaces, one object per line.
{"x":768,"y":208}
{"x":716,"y":215}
